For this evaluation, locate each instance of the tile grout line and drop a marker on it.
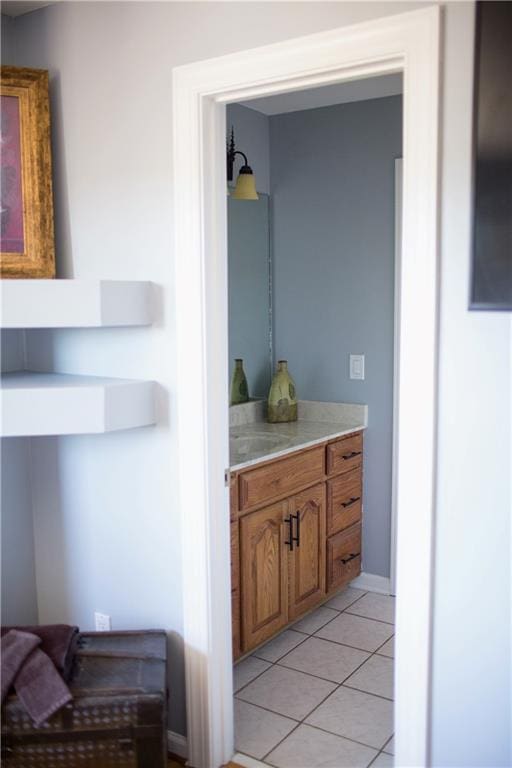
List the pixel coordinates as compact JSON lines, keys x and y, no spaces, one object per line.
{"x":276,"y":662}
{"x":369,"y":618}
{"x":338,"y":685}
{"x":272,"y":664}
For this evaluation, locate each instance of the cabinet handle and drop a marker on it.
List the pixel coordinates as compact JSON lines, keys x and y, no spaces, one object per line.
{"x":291,"y":539}
{"x":346,"y":560}
{"x":297,"y":537}
{"x":352,"y":501}
{"x":350,"y":455}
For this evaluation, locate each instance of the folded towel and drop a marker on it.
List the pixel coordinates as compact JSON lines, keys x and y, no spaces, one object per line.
{"x":58,"y":641}
{"x":40,"y":688}
{"x":16,"y":647}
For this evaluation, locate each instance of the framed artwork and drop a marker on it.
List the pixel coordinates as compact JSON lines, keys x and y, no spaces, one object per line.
{"x":27,"y":247}
{"x":491,"y":258}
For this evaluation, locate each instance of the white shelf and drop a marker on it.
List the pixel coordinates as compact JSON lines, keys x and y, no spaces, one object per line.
{"x":62,"y":404}
{"x":74,"y":303}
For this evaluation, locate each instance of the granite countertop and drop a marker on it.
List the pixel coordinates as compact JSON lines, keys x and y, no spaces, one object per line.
{"x":256,"y":440}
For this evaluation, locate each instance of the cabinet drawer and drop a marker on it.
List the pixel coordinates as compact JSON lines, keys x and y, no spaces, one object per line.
{"x":344,"y":495}
{"x":345,"y":454}
{"x":343,"y":557}
{"x":262,"y":484}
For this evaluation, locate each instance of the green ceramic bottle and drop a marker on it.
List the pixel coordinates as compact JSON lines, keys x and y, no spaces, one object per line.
{"x":282,"y":400}
{"x":239,"y":389}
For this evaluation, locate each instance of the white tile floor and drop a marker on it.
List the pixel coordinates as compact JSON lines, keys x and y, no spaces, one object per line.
{"x":321,"y":693}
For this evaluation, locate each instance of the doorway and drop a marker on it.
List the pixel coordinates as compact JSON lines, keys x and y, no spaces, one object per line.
{"x":406,"y":43}
{"x":327,"y":158}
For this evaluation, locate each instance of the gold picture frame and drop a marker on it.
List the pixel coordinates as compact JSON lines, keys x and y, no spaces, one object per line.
{"x":27,"y":248}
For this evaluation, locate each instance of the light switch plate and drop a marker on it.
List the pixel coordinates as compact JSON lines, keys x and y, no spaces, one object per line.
{"x":357,"y":367}
{"x":102,"y":622}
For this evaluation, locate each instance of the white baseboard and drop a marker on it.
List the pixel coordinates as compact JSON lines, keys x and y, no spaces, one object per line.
{"x":177,"y":744}
{"x":372,"y":583}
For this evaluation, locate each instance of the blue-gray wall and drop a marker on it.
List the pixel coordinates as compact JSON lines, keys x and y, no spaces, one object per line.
{"x":332,"y":195}
{"x":252,"y":136}
{"x":7,"y":46}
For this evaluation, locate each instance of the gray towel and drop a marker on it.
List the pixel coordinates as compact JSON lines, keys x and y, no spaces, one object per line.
{"x":16,"y":646}
{"x":39,"y":686}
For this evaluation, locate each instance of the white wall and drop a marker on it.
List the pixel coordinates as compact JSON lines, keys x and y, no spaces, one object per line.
{"x":471,"y":722}
{"x":110,"y":67}
{"x":105,"y":508}
{"x":19,"y":599}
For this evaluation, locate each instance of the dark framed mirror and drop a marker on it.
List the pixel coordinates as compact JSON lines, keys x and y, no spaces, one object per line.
{"x":491,"y":267}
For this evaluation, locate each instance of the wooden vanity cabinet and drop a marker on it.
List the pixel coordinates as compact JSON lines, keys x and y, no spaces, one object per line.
{"x":235,"y":589}
{"x":235,"y":571}
{"x":295,"y":536}
{"x":343,"y":557}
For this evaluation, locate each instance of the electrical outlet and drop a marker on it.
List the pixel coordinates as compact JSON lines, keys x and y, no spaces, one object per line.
{"x":357,"y":367}
{"x":102,"y":622}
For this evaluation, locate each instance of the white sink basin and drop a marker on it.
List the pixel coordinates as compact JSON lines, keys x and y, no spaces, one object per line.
{"x":244,"y":445}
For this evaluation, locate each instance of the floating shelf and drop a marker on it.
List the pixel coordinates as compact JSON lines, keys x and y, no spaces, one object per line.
{"x":62,"y":404}
{"x":74,"y":303}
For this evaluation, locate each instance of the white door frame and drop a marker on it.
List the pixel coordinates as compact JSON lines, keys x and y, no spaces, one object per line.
{"x":396,"y":369}
{"x":408,"y":42}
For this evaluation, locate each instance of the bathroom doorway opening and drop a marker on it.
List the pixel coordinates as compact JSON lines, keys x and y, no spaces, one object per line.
{"x":314,"y":276}
{"x":408,"y":43}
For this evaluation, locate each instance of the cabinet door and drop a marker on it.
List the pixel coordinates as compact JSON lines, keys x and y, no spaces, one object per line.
{"x":263,"y":574}
{"x":306,"y":563}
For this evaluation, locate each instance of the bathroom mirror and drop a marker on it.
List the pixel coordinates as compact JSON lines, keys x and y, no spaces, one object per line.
{"x":250,"y":332}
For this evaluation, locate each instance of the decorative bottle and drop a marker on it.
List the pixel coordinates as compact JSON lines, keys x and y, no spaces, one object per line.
{"x":239,"y":389}
{"x":282,"y":400}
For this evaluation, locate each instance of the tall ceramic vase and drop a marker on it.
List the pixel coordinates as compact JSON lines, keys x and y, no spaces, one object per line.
{"x":239,"y":388}
{"x":282,"y":400}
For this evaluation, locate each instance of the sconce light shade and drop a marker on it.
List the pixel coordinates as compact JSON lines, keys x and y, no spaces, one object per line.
{"x":245,"y":185}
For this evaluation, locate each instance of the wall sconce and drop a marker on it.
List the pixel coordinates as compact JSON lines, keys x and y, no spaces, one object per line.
{"x":245,"y":188}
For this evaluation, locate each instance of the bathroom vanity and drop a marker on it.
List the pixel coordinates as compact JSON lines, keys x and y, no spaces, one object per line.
{"x":296,"y":508}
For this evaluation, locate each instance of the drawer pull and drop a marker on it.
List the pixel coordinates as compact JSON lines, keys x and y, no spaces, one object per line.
{"x":352,"y":501}
{"x":291,"y":537}
{"x":346,"y":560}
{"x":350,"y":455}
{"x":297,"y":537}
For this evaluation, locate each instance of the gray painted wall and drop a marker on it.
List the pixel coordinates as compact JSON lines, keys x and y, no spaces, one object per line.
{"x":7,"y":39}
{"x":252,"y":136}
{"x":333,"y":250}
